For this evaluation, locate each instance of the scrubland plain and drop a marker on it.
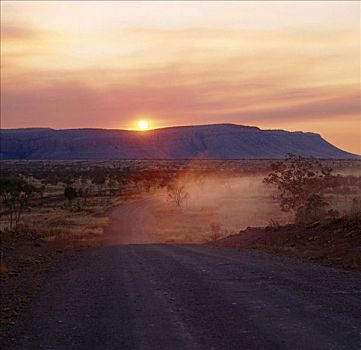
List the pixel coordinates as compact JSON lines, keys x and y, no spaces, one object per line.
{"x":74,"y":205}
{"x":158,"y":201}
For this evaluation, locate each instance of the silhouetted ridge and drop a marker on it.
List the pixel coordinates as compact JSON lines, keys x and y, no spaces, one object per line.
{"x":219,"y":141}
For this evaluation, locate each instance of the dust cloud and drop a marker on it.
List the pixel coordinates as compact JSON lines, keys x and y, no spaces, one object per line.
{"x":213,"y":206}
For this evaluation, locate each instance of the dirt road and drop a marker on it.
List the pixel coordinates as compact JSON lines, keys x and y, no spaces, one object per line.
{"x":132,"y":223}
{"x":193,"y":297}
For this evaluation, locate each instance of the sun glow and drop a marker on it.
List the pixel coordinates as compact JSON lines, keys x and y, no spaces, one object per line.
{"x":143,"y":124}
{"x":241,"y":69}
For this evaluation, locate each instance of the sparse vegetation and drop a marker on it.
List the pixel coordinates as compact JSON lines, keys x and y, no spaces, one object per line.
{"x":306,"y":188}
{"x":70,"y":193}
{"x":16,"y":194}
{"x":221,"y":198}
{"x":302,"y":185}
{"x":315,"y":209}
{"x":177,"y":194}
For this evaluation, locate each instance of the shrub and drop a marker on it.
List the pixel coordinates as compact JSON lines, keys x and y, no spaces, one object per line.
{"x":70,"y":193}
{"x":315,"y":210}
{"x":301,"y":186}
{"x":177,"y":194}
{"x":16,"y":194}
{"x":99,"y":180}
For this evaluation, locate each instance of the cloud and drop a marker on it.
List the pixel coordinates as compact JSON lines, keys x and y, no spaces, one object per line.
{"x":71,"y":100}
{"x":336,"y":107}
{"x":17,"y":32}
{"x":82,"y":73}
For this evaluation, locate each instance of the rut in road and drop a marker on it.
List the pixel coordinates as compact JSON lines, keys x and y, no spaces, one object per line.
{"x":194,"y":297}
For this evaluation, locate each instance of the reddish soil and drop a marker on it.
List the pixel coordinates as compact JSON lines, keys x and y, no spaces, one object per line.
{"x":335,"y":242}
{"x":26,"y":261}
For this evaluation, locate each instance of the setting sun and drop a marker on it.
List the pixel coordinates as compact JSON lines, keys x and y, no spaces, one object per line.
{"x":143,"y":124}
{"x":207,"y":151}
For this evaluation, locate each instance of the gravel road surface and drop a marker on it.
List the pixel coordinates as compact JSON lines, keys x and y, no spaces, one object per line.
{"x":153,"y":296}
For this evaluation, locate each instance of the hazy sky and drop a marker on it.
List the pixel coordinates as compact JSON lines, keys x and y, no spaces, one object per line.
{"x":290,"y":65}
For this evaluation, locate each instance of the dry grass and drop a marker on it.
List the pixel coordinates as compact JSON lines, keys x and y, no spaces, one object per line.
{"x":60,"y":222}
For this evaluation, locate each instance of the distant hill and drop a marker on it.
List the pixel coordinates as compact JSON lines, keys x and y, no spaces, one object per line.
{"x":219,"y":141}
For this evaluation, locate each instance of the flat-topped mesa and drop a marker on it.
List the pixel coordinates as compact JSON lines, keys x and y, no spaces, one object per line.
{"x":217,"y":141}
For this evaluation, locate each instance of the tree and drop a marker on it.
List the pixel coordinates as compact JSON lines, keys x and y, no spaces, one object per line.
{"x":99,"y":181}
{"x":42,"y":192}
{"x":15,"y":194}
{"x":70,"y":193}
{"x":112,"y":185}
{"x":177,"y":194}
{"x":301,"y":185}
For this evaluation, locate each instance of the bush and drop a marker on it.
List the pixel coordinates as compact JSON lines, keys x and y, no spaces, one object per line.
{"x":315,"y":210}
{"x":301,"y":185}
{"x":70,"y":193}
{"x":99,"y":180}
{"x":177,"y":194}
{"x":16,"y":194}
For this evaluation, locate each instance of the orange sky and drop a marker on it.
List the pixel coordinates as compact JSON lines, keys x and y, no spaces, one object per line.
{"x":289,"y":65}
